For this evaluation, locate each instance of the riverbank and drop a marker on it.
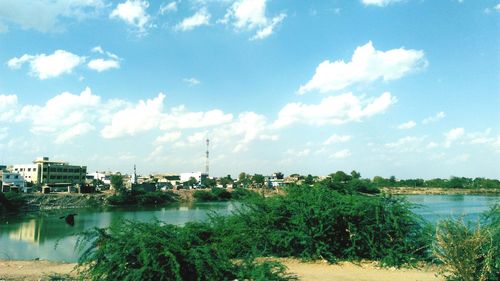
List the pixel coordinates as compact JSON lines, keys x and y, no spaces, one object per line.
{"x":306,"y":271}
{"x":439,"y":191}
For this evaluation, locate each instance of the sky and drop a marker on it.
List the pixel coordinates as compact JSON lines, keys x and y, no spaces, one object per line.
{"x":409,"y":88}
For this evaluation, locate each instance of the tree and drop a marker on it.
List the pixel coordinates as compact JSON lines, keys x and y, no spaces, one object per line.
{"x":117,"y":183}
{"x":208,"y":182}
{"x":341,"y":177}
{"x":191,"y":182}
{"x":309,"y":179}
{"x":355,"y":175}
{"x":225,"y":181}
{"x":258,"y":180}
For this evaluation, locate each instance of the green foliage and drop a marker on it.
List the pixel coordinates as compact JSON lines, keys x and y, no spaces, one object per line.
{"x":117,"y":183}
{"x":453,"y":182}
{"x":204,"y":196}
{"x":151,"y":251}
{"x":140,"y":197}
{"x":11,"y":202}
{"x":242,"y":194}
{"x":468,"y":252}
{"x":320,"y":223}
{"x":221,"y":194}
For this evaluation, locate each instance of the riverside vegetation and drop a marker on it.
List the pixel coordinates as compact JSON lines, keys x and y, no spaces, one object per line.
{"x":331,"y":220}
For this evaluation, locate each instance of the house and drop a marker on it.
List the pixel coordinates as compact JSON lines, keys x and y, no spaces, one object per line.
{"x":13,"y":181}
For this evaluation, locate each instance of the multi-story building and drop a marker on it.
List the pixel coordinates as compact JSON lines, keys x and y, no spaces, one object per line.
{"x":9,"y":181}
{"x":52,"y":173}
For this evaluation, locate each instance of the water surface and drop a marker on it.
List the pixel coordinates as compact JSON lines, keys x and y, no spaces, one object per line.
{"x":38,"y":234}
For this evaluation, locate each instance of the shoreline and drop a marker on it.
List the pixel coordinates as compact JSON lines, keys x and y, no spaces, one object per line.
{"x":306,"y":271}
{"x":438,"y":191}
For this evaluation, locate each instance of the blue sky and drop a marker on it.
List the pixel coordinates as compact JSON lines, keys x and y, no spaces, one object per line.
{"x":387,"y":87}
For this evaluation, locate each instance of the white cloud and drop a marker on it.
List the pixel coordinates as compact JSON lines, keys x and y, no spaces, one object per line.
{"x":8,"y":107}
{"x":453,"y":135}
{"x":202,"y":17}
{"x":180,"y":118}
{"x":334,"y":110}
{"x":167,"y":8}
{"x":100,"y":65}
{"x":406,"y":144}
{"x":97,"y":49}
{"x":408,"y":125}
{"x":431,"y":145}
{"x":198,"y":137}
{"x":168,"y":137}
{"x":341,"y":154}
{"x":251,"y":15}
{"x":4,"y":132}
{"x":144,"y":116}
{"x":379,"y":3}
{"x":48,"y":66}
{"x":77,"y":130}
{"x":497,"y":6}
{"x":299,"y":153}
{"x":337,"y":139}
{"x":481,"y":137}
{"x":366,"y":65}
{"x":267,"y":30}
{"x":435,"y":118}
{"x":191,"y":81}
{"x":46,"y":15}
{"x":65,"y":115}
{"x":133,"y":12}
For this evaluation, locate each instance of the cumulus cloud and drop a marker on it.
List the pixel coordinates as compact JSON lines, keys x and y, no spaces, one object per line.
{"x":133,"y":12}
{"x":337,"y":139}
{"x":8,"y":107}
{"x":344,"y":153}
{"x":202,"y":17}
{"x":168,"y":137}
{"x":379,"y":3}
{"x":408,"y":125}
{"x":334,"y":110}
{"x":435,"y":118}
{"x":251,"y":15}
{"x":132,"y":120}
{"x":100,"y":65}
{"x":66,"y":115}
{"x":299,"y":153}
{"x":366,"y":65}
{"x":453,"y":135}
{"x":180,"y":118}
{"x":45,"y":66}
{"x":46,"y":15}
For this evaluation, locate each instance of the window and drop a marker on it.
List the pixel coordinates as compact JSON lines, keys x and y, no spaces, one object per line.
{"x":7,"y":176}
{"x":29,"y":169}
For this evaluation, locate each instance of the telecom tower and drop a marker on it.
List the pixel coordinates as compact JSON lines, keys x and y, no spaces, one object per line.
{"x":206,"y":161}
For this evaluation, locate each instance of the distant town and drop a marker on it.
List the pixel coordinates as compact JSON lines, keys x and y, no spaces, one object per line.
{"x":46,"y":175}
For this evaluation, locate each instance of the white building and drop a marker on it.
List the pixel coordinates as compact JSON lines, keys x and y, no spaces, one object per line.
{"x":15,"y":180}
{"x":104,"y":177}
{"x":197,"y":175}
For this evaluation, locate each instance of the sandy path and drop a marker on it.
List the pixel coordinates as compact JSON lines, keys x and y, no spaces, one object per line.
{"x":346,"y":271}
{"x":314,"y":271}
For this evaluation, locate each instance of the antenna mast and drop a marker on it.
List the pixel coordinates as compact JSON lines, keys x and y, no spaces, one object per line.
{"x":207,"y":153}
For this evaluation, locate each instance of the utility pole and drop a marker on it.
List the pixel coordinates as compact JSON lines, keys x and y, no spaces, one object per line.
{"x":207,"y":154}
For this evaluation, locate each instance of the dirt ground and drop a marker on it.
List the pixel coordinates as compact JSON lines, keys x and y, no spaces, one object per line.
{"x":314,"y":271}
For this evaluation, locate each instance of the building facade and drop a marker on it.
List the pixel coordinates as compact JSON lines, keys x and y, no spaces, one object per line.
{"x":11,"y":181}
{"x":52,"y":173}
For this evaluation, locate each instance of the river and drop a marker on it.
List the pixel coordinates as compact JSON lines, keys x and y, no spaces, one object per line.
{"x":46,"y":236}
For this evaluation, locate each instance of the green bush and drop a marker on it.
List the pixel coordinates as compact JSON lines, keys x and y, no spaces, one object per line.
{"x":468,"y":252}
{"x":221,"y":193}
{"x":11,"y":202}
{"x":140,"y":197}
{"x":320,"y":223}
{"x":242,"y":193}
{"x":151,"y":251}
{"x":204,"y":196}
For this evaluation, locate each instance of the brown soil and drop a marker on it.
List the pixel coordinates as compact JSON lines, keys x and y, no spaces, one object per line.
{"x":310,"y":271}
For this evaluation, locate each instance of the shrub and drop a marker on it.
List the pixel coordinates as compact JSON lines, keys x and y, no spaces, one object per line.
{"x":11,"y":202}
{"x":204,"y":196}
{"x":320,"y":223}
{"x":242,"y":193}
{"x":221,"y":193}
{"x":151,"y":251}
{"x":469,"y":252}
{"x":140,"y":197}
